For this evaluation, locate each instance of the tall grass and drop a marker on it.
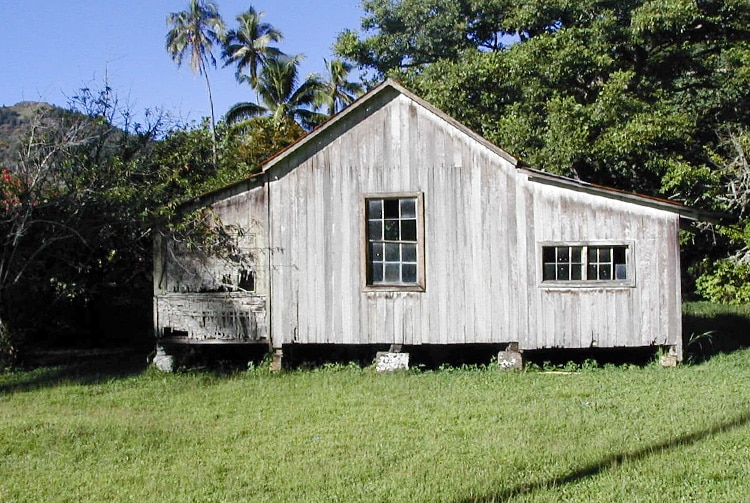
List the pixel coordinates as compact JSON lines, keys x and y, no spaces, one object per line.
{"x":347,"y":434}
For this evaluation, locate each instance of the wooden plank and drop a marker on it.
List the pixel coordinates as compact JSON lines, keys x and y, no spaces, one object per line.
{"x":214,"y":316}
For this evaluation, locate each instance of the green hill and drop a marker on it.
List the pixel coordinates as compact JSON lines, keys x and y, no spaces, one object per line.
{"x":14,"y":125}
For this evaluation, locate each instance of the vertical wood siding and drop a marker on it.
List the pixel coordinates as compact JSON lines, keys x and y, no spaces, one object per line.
{"x":194,"y":272}
{"x":647,"y":313}
{"x":470,"y":214}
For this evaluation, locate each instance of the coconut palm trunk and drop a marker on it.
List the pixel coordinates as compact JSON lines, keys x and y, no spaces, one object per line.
{"x":195,"y":31}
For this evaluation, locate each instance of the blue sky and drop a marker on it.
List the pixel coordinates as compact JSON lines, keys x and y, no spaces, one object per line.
{"x":52,"y":48}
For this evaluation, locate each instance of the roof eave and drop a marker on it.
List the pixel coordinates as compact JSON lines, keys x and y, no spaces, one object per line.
{"x":685,"y":212}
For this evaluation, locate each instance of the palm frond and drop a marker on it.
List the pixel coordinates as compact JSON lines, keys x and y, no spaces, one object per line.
{"x":244,"y":111}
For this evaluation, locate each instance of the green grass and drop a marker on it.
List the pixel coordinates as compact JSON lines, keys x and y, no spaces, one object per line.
{"x":346,"y":434}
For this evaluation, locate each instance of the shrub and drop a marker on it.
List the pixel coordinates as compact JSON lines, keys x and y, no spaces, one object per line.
{"x":726,"y":282}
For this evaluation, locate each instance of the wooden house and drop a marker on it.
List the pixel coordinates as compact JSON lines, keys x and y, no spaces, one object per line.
{"x":395,"y":224}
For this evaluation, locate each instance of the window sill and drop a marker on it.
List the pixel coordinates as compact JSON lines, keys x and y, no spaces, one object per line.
{"x":393,"y":288}
{"x":577,"y":285}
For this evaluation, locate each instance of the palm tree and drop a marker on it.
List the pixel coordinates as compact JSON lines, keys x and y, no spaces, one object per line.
{"x":339,"y":92}
{"x":249,"y":46}
{"x":281,"y":97}
{"x":193,"y":32}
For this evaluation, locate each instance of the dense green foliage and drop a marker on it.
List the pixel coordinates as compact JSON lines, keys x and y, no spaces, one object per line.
{"x":70,"y":216}
{"x":281,"y":96}
{"x":723,"y":278}
{"x":346,"y":434}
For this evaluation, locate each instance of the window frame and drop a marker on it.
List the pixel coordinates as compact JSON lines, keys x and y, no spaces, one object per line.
{"x":630,"y":271}
{"x":366,"y":261}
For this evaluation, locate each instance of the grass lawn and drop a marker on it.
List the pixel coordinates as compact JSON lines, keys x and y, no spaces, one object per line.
{"x":346,"y":434}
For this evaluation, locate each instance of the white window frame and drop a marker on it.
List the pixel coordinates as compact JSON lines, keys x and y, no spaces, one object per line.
{"x":630,"y":273}
{"x":366,"y":269}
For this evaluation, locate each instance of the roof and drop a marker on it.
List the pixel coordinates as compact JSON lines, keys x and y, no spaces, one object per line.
{"x":684,"y":211}
{"x":319,"y":137}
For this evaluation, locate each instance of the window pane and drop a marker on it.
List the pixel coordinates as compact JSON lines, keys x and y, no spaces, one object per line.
{"x":619,"y":254}
{"x":563,"y":272}
{"x":391,"y":230}
{"x":563,"y":254}
{"x":548,"y":254}
{"x":374,"y":208}
{"x":576,"y":272}
{"x":605,"y":271}
{"x":390,"y":208}
{"x":549,"y":272}
{"x":408,"y":230}
{"x":375,"y":230}
{"x":576,"y":254}
{"x":392,"y":273}
{"x":410,"y":273}
{"x":593,"y":272}
{"x":392,"y":252}
{"x":377,"y":272}
{"x":593,"y":255}
{"x":605,"y":255}
{"x":408,"y":208}
{"x":409,"y":253}
{"x":621,"y":271}
{"x":376,"y":252}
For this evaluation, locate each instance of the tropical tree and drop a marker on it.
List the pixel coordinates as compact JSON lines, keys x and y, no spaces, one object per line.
{"x":281,"y":96}
{"x":338,"y":92}
{"x":193,"y":33}
{"x":250,"y":45}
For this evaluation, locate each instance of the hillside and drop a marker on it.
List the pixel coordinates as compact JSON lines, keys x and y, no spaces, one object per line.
{"x":14,"y":125}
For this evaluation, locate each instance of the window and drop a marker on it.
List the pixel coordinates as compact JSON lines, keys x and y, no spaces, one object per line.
{"x":395,"y":249}
{"x":587,"y":263}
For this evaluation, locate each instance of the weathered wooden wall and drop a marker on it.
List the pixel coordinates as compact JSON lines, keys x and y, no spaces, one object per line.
{"x":200,"y":295}
{"x":484,"y":222}
{"x":469,"y":207}
{"x":642,"y":314}
{"x":213,"y":316}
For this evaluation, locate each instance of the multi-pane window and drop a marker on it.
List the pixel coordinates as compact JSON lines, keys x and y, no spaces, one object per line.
{"x":607,"y":263}
{"x":585,"y":263}
{"x":393,"y":248}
